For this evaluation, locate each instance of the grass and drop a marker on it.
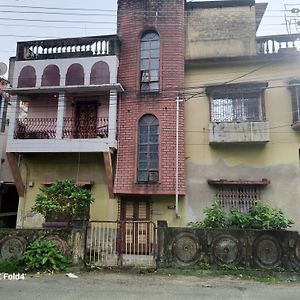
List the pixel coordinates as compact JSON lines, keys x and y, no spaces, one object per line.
{"x":12,"y":265}
{"x":242,"y":273}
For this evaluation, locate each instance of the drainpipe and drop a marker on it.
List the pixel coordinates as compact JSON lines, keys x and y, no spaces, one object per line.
{"x":177,"y":156}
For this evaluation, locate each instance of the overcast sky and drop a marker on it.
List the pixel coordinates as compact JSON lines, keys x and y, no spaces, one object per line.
{"x":89,"y":17}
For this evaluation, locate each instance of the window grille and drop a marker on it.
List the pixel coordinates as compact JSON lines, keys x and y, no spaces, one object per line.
{"x":238,"y":197}
{"x":237,"y":102}
{"x":295,"y":89}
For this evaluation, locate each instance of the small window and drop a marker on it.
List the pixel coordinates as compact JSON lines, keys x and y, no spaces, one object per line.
{"x":147,"y":170}
{"x":149,"y":62}
{"x":236,"y":102}
{"x":295,"y":89}
{"x":238,"y":197}
{"x":238,"y":194}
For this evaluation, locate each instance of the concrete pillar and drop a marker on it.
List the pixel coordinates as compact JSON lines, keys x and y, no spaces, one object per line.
{"x":112,"y":121}
{"x":60,"y":115}
{"x":14,"y":114}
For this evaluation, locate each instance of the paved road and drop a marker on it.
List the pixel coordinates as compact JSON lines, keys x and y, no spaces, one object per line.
{"x":127,"y":286}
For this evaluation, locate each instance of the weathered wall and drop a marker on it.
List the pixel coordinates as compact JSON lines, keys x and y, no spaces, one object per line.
{"x":221,"y":31}
{"x":277,"y":160}
{"x":71,"y":242}
{"x":251,"y":248}
{"x":39,"y":168}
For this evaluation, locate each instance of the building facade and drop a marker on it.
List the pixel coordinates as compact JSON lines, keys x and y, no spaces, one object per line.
{"x":241,"y":121}
{"x":63,"y":120}
{"x":152,"y":73}
{"x":184,"y":106}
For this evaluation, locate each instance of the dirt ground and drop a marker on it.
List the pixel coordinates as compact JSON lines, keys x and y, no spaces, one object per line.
{"x":105,"y":285}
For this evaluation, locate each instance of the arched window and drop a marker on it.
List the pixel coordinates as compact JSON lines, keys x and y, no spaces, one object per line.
{"x":148,"y":149}
{"x":27,"y":77}
{"x":149,"y":64}
{"x":51,"y":76}
{"x":75,"y":75}
{"x":100,"y":73}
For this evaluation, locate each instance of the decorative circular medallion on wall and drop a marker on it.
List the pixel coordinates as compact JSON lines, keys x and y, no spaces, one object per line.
{"x":12,"y":246}
{"x":297,"y":251}
{"x":267,"y":252}
{"x":60,"y":243}
{"x":226,"y":250}
{"x":185,"y":247}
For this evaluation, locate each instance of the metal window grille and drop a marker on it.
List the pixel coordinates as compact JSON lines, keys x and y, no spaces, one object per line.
{"x":236,"y":109}
{"x":238,"y":197}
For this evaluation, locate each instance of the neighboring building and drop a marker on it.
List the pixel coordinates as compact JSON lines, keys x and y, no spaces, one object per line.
{"x":8,"y":194}
{"x":63,"y":120}
{"x":242,"y":110}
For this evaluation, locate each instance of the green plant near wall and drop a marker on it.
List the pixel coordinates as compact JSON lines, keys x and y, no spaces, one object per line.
{"x":44,"y":256}
{"x":261,"y":216}
{"x":63,"y":196}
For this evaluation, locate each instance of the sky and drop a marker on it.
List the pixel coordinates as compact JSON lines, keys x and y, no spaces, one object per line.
{"x":74,"y":18}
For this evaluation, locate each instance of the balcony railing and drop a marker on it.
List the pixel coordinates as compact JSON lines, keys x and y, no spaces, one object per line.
{"x":35,"y":128}
{"x":285,"y":43}
{"x":70,"y":47}
{"x":85,"y":129}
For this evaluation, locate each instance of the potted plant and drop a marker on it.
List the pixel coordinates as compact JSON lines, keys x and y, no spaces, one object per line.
{"x":63,"y":202}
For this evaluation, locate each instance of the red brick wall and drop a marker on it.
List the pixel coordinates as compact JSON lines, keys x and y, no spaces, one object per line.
{"x":134,"y":17}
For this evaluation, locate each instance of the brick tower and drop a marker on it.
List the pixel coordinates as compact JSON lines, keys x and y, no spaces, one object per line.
{"x":152,"y":73}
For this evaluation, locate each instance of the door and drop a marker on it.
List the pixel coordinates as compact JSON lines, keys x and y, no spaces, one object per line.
{"x":86,"y":120}
{"x":135,"y":226}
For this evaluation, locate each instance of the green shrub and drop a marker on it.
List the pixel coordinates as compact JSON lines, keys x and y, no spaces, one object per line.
{"x":63,"y":197}
{"x":261,"y":216}
{"x":44,"y":256}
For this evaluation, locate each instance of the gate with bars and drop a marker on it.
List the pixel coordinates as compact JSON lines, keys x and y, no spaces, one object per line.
{"x":121,"y":243}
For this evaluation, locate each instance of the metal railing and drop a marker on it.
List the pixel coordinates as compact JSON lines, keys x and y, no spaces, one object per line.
{"x":278,"y":43}
{"x":118,"y":243}
{"x":85,"y":128}
{"x":69,"y":47}
{"x":35,"y":128}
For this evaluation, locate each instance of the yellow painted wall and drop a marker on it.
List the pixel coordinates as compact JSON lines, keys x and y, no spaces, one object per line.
{"x":160,"y":210}
{"x":38,"y":168}
{"x":277,"y":160}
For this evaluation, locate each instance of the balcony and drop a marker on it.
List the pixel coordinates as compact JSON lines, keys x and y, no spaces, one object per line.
{"x":234,"y":132}
{"x":35,"y":128}
{"x":66,"y":48}
{"x":278,"y":44}
{"x":45,"y":128}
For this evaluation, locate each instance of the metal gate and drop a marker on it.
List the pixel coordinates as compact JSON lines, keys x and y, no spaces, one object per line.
{"x":121,"y":243}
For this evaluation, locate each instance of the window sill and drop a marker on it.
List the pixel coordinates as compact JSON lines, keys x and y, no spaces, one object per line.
{"x":296,"y":125}
{"x":149,"y":93}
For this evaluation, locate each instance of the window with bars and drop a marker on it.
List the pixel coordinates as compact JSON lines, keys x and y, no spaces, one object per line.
{"x":149,"y":62}
{"x":238,"y":197}
{"x":237,"y":102}
{"x":295,"y":89}
{"x":147,"y":171}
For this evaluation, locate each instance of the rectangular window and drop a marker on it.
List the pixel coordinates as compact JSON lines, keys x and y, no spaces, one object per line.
{"x":236,"y":102}
{"x":238,"y":197}
{"x":295,"y":89}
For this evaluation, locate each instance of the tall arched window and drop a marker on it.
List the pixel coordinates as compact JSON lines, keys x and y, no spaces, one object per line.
{"x":148,"y":149}
{"x":149,"y":63}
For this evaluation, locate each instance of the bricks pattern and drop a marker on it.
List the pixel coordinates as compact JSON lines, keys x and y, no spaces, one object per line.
{"x":134,"y":18}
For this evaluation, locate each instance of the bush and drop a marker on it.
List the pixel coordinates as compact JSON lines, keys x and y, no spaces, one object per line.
{"x":261,"y":216}
{"x":44,"y":256}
